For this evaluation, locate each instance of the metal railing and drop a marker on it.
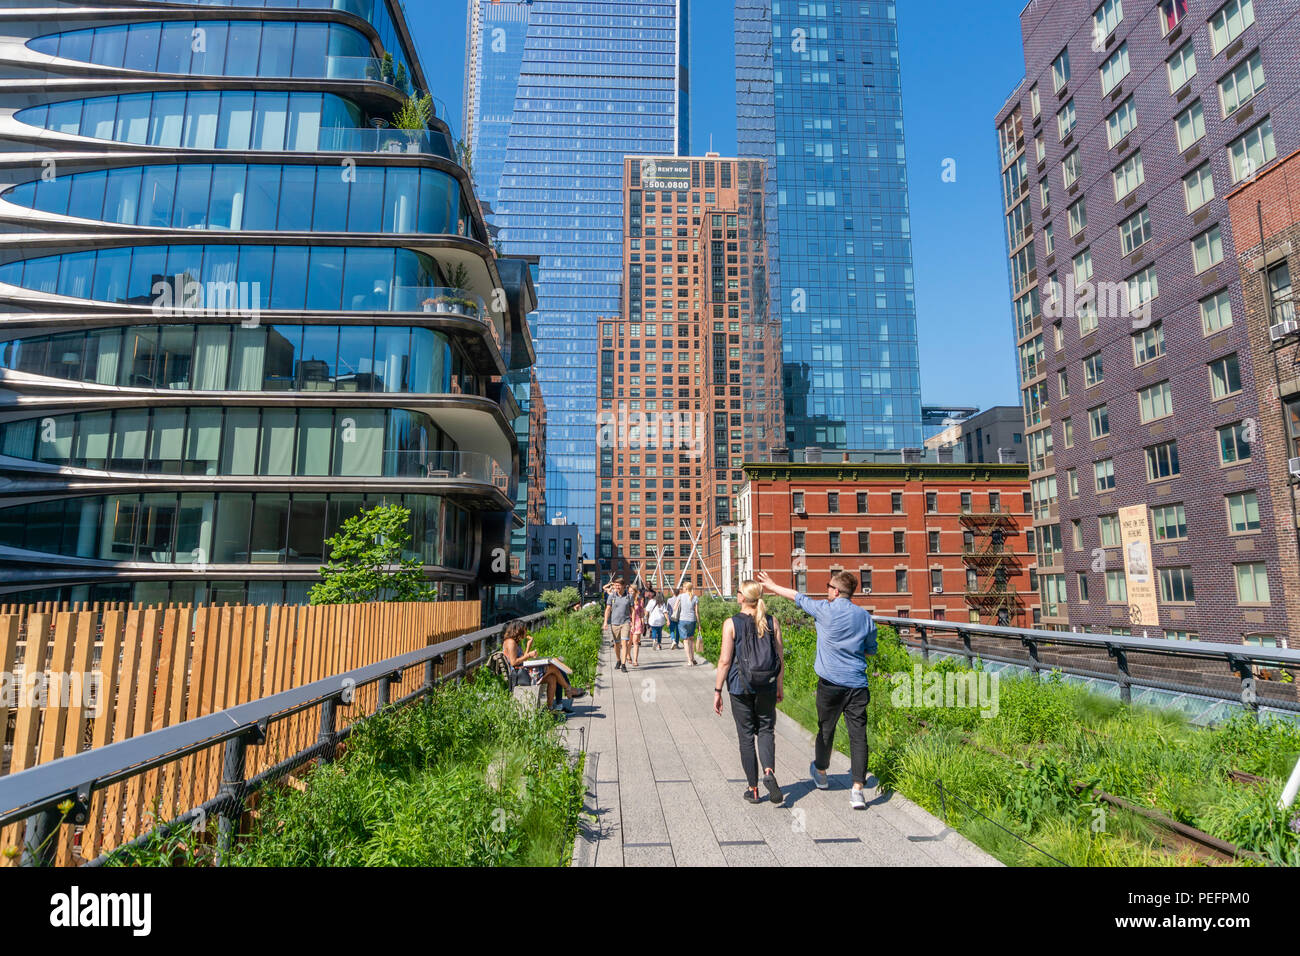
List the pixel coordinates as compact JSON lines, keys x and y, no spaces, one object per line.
{"x":449,"y":465}
{"x":444,"y":301}
{"x":1201,"y":668}
{"x":60,"y":793}
{"x":347,"y":139}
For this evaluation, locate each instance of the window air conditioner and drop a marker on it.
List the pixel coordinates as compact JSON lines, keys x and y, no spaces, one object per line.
{"x":1283,"y":329}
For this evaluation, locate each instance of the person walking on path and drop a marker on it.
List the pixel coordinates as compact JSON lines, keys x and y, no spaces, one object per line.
{"x":656,"y":616}
{"x":671,"y":604}
{"x":751,"y":668}
{"x":688,"y":621}
{"x":638,"y":625}
{"x":618,"y":618}
{"x":846,"y":637}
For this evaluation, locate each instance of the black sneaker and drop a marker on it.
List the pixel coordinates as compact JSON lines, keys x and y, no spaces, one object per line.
{"x":773,"y":788}
{"x":751,"y":795}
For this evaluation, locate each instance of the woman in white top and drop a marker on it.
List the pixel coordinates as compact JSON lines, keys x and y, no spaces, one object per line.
{"x":656,"y":615}
{"x":688,"y":622}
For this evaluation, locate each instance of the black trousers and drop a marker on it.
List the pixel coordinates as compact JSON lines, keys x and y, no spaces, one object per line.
{"x":832,"y":701}
{"x":755,"y":716}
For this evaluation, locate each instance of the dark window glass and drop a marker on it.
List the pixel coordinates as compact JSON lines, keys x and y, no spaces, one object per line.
{"x":330,"y":202}
{"x":193,"y":191}
{"x":157,"y":195}
{"x":289,"y":288}
{"x":263,"y":197}
{"x":325,"y":282}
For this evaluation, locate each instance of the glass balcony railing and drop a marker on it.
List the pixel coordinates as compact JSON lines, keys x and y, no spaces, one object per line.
{"x":447,"y":465}
{"x":354,"y":68}
{"x":442,"y":300}
{"x":362,"y":140}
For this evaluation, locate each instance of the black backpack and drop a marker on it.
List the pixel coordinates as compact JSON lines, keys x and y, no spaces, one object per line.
{"x":757,"y":658}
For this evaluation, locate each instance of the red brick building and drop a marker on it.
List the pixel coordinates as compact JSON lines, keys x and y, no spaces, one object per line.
{"x":934,"y":541}
{"x":1265,"y":214}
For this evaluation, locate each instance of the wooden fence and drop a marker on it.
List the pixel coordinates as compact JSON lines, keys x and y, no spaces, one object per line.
{"x":115,"y":671}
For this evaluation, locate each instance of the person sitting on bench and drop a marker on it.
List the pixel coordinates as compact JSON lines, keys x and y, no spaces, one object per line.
{"x":517,"y":645}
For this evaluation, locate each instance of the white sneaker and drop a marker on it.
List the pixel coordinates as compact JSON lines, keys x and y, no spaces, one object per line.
{"x":818,"y":777}
{"x":857,"y":799}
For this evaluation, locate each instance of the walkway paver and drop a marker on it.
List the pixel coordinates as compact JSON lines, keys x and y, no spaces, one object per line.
{"x":665,"y":784}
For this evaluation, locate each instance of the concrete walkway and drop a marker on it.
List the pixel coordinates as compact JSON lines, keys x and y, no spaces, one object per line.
{"x":665,"y":786}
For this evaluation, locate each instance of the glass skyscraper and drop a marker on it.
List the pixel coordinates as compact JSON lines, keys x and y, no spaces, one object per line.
{"x":237,"y":307}
{"x":819,"y":97}
{"x":623,"y":90}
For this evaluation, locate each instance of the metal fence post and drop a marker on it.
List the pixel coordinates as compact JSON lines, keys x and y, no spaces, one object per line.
{"x":430,"y":674}
{"x":1035,"y":665}
{"x":925,"y":645}
{"x":328,"y":714}
{"x":967,"y":653}
{"x":460,"y":660}
{"x":39,"y":838}
{"x":385,"y":689}
{"x":1249,"y":698}
{"x":232,"y":788}
{"x":1125,"y":679}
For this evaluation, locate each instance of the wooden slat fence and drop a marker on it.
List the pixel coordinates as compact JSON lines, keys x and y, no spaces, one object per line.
{"x":114,"y":671}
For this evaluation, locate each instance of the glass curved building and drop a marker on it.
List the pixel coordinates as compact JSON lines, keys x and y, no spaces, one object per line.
{"x":209,"y":230}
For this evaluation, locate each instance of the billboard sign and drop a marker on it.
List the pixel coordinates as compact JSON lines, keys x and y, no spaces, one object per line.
{"x":673,"y":175}
{"x":1140,"y":576}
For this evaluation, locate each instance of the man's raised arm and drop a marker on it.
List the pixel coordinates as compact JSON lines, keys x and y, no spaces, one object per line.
{"x":765,"y":579}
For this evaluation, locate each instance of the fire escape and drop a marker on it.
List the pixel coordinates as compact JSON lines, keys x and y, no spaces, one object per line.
{"x":990,"y":590}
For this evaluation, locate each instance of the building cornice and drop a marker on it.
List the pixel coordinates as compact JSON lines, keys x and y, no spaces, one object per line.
{"x":866,"y":472}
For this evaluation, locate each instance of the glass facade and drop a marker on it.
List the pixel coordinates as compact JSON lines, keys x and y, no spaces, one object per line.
{"x":560,"y":198}
{"x":228,"y":528}
{"x":818,"y":96}
{"x":262,"y":197}
{"x":231,"y":119}
{"x":195,"y":436}
{"x":267,"y":358}
{"x":235,"y":441}
{"x":219,"y":48}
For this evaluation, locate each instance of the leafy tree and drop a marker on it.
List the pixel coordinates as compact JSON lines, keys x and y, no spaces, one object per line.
{"x":560,"y":600}
{"x":366,"y":562}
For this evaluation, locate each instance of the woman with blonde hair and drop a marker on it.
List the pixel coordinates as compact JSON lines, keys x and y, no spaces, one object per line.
{"x":687,"y":608}
{"x":751,"y":668}
{"x":638,"y":625}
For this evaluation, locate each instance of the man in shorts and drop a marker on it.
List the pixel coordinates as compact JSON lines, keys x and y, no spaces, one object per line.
{"x":618,"y":618}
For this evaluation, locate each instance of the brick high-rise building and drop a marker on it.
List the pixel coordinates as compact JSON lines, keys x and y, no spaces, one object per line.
{"x":1265,"y":217}
{"x":1133,"y":123}
{"x":690,"y":371}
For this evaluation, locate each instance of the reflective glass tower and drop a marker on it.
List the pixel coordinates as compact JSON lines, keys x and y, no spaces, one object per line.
{"x":622,"y":90}
{"x":818,"y":96}
{"x":237,"y":306}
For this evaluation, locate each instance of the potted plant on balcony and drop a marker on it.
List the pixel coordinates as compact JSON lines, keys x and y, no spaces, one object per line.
{"x":438,"y":303}
{"x":458,"y":300}
{"x":386,"y":68}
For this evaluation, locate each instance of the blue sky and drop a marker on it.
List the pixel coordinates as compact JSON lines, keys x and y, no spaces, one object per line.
{"x":960,"y":61}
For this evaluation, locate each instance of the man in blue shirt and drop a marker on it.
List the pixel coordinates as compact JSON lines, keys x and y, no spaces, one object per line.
{"x":846,"y":637}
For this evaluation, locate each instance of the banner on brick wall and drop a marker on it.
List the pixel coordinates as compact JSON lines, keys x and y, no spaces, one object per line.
{"x":1139,"y":575}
